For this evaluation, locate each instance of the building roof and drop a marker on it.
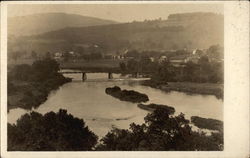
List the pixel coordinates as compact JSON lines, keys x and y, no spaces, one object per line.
{"x":180,"y":57}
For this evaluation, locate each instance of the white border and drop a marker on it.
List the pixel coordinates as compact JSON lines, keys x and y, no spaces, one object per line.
{"x":236,"y":96}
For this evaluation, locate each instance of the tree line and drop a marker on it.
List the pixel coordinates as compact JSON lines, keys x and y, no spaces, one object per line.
{"x":32,"y":83}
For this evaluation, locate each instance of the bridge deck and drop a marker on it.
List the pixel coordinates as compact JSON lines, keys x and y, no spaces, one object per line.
{"x":72,"y":72}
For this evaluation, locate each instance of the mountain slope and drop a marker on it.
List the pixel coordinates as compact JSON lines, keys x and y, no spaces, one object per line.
{"x":45,"y":22}
{"x":190,"y":30}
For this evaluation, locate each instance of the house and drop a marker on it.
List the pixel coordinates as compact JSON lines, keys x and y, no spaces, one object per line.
{"x":194,"y":58}
{"x":72,"y":53}
{"x":183,"y":59}
{"x":58,"y":56}
{"x":178,"y":60}
{"x":197,"y":52}
{"x":152,"y":59}
{"x":162,"y":59}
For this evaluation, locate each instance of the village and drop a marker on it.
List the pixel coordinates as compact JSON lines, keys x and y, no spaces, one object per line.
{"x":177,"y":58}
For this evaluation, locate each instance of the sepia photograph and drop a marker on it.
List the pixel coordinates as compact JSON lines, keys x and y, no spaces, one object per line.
{"x":115,"y":77}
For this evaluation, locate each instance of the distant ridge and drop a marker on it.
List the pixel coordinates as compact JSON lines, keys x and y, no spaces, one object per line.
{"x":45,"y":22}
{"x":179,"y":31}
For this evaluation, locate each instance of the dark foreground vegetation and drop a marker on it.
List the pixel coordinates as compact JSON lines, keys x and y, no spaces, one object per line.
{"x":161,"y":132}
{"x":50,"y":132}
{"x":126,"y":95}
{"x":207,"y":123}
{"x":152,"y":107}
{"x":63,"y":132}
{"x":29,"y":85}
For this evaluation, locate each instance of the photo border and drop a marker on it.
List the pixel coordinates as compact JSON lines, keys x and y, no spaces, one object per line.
{"x":236,"y":86}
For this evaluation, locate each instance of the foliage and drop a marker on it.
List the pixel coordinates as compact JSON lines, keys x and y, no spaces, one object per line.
{"x":44,"y":69}
{"x":160,"y":132}
{"x":203,"y":71}
{"x":34,"y":82}
{"x":40,"y":70}
{"x":123,"y":66}
{"x":50,"y":132}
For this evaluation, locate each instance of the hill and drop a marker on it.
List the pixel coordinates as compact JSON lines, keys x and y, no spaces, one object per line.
{"x":45,"y":22}
{"x":187,"y":30}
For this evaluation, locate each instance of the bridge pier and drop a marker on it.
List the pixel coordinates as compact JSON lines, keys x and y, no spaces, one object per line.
{"x":110,"y":75}
{"x":136,"y":75}
{"x":84,"y":76}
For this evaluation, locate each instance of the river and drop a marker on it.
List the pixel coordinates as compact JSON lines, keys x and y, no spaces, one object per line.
{"x":102,"y":112}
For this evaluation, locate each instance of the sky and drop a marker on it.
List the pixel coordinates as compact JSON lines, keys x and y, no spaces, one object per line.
{"x":116,"y":12}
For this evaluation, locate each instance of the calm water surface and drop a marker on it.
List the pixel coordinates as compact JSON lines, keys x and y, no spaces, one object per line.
{"x":102,"y":112}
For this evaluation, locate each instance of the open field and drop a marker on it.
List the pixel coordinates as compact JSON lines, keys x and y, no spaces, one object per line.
{"x":189,"y":87}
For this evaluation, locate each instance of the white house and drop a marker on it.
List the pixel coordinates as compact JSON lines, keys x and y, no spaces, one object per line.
{"x":58,"y":56}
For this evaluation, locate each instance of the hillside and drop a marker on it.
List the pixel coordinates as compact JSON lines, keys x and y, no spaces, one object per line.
{"x":45,"y":22}
{"x":190,"y":30}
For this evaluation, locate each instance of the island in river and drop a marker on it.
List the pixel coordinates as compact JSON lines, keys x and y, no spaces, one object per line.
{"x":126,"y":95}
{"x":152,"y":107}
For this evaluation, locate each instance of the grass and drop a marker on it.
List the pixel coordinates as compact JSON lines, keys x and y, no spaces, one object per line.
{"x":191,"y":87}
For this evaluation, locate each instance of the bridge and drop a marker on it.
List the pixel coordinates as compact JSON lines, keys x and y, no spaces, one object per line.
{"x":84,"y":74}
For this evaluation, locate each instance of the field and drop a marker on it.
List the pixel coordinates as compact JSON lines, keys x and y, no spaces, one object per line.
{"x":200,"y":88}
{"x":190,"y":87}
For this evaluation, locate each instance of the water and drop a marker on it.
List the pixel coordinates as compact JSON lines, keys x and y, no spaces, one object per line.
{"x":102,"y":112}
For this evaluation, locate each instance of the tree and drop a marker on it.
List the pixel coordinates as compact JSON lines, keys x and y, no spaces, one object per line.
{"x":123,"y":66}
{"x":50,"y":132}
{"x":66,"y":56}
{"x":190,"y":71}
{"x":216,"y":51}
{"x":165,"y":73}
{"x":21,"y":72}
{"x":132,"y":65}
{"x":160,"y":132}
{"x":44,"y":69}
{"x":48,"y":55}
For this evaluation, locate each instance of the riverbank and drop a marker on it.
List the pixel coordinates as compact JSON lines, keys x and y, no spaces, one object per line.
{"x":30,"y":85}
{"x":28,"y":95}
{"x":190,"y":87}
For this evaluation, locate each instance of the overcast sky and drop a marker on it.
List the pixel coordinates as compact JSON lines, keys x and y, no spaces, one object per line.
{"x":116,"y":12}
